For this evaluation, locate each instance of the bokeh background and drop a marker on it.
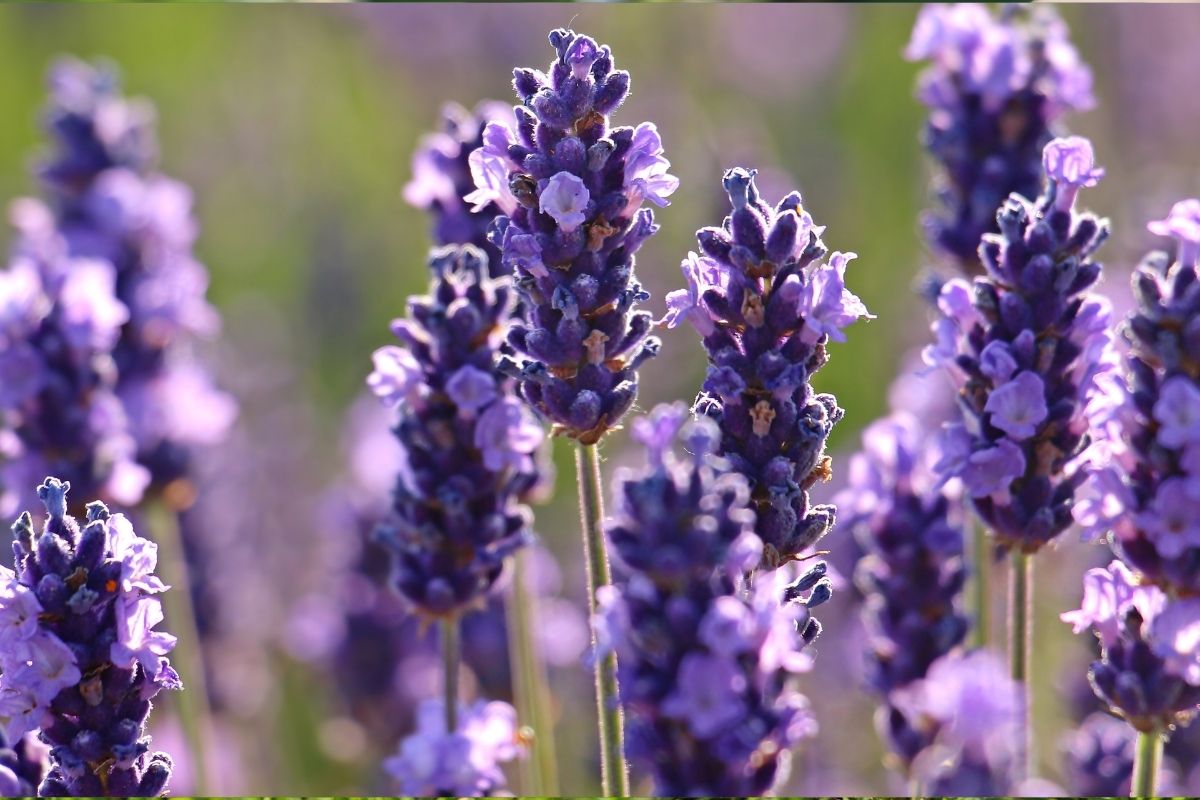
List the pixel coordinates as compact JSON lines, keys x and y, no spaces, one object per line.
{"x":295,"y":126}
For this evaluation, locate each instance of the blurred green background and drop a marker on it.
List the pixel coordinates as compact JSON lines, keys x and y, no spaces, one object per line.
{"x":295,"y":126}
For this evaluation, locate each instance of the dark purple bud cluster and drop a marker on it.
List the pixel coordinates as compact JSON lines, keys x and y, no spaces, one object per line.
{"x":80,"y":655}
{"x":705,"y":659}
{"x":766,"y":302}
{"x":996,"y":89}
{"x":571,"y":189}
{"x":467,"y":441}
{"x":1025,"y":343}
{"x":22,"y":766}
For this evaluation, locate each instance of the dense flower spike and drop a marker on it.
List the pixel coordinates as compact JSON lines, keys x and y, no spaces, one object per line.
{"x":465,"y":763}
{"x":1098,"y":757}
{"x":1149,"y":667}
{"x":1025,"y":344}
{"x":766,"y":302}
{"x":1144,"y":491}
{"x":442,"y":179}
{"x":80,"y":655}
{"x":22,"y":766}
{"x":965,"y":712}
{"x":705,"y":659}
{"x":467,"y":441}
{"x":996,"y":90}
{"x":572,"y":190}
{"x":109,"y":203}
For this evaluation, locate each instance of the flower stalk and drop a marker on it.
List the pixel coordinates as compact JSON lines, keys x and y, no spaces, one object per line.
{"x":531,"y":684}
{"x":1146,"y":765}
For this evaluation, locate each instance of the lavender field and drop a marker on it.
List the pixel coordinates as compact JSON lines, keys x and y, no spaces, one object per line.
{"x":630,"y":400}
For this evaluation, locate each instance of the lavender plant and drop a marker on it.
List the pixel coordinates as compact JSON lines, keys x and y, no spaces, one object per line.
{"x":705,"y":659}
{"x":997,"y":89}
{"x":22,"y":765}
{"x":766,"y":303}
{"x":81,"y":659}
{"x":572,"y":189}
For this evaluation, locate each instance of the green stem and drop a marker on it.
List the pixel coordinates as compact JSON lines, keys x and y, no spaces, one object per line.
{"x":981,"y":588}
{"x":1020,"y":637}
{"x":1145,"y":766}
{"x":451,"y":658}
{"x":531,"y":684}
{"x":614,"y":780}
{"x":192,"y":703}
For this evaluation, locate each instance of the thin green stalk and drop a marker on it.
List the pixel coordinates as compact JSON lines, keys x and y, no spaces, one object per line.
{"x":614,"y":779}
{"x":1145,"y":766}
{"x":981,"y":585}
{"x":195,"y":718}
{"x":531,"y":684}
{"x":1020,"y":637}
{"x":451,"y":658}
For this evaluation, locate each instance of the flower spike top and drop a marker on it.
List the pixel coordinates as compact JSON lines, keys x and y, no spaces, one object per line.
{"x":766,"y":301}
{"x":997,"y":88}
{"x":467,"y":441}
{"x":1025,"y":344}
{"x":1149,"y":667}
{"x":572,"y":190}
{"x":80,"y":657}
{"x":442,"y":179}
{"x":1144,"y":491}
{"x":107,"y":201}
{"x":705,"y":660}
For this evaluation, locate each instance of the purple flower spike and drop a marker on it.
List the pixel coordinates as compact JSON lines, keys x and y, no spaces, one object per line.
{"x":467,"y":442}
{"x":767,"y":302}
{"x":84,"y":669}
{"x":442,"y":180}
{"x":709,"y":707}
{"x":1149,"y":666}
{"x":1183,"y":224}
{"x":1069,"y":164}
{"x":1026,"y":354}
{"x":997,"y":88}
{"x":1143,"y":493}
{"x":572,"y":190}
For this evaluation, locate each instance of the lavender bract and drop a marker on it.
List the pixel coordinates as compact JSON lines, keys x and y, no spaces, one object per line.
{"x":1149,"y":668}
{"x":1144,"y":493}
{"x":442,"y":179}
{"x":81,"y":659}
{"x":766,"y":304}
{"x":467,"y":442}
{"x":996,"y":89}
{"x":1025,"y":344}
{"x":571,"y":190}
{"x":110,"y":203}
{"x":705,"y":661}
{"x":465,"y":763}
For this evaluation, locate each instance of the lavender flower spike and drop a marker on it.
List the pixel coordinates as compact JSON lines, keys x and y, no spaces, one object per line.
{"x":442,"y":179}
{"x":467,"y":441}
{"x":572,"y":190}
{"x":1025,"y":345}
{"x":996,"y":89}
{"x":766,"y":302}
{"x":1144,"y":491}
{"x":81,"y":659}
{"x":1149,"y":667}
{"x":705,"y":661}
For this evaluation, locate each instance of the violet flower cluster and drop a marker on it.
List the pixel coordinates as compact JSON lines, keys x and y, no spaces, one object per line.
{"x":111,"y":204}
{"x":1149,"y":667}
{"x":1025,"y":343}
{"x":996,"y":89}
{"x":705,"y":659}
{"x":22,"y":765}
{"x":81,"y":659}
{"x":442,"y":179}
{"x":766,"y":302}
{"x":571,"y":189}
{"x":1144,"y":492}
{"x":465,"y":763}
{"x":912,"y":572}
{"x":467,"y":441}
